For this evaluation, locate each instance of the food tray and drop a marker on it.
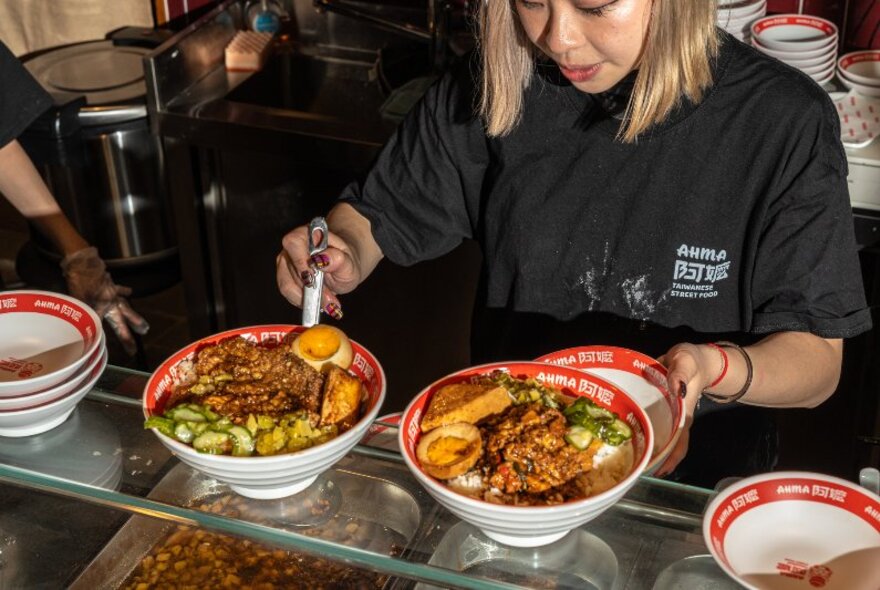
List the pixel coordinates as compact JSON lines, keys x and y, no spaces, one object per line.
{"x":388,"y":506}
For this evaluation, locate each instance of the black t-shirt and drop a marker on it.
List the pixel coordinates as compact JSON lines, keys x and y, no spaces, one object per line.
{"x":730,"y":218}
{"x":22,"y":99}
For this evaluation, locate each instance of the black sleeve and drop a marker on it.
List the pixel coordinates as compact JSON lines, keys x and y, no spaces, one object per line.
{"x":22,"y":99}
{"x":807,"y":276}
{"x":422,"y":195}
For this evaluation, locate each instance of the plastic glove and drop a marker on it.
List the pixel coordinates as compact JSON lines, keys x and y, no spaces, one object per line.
{"x":88,"y":280}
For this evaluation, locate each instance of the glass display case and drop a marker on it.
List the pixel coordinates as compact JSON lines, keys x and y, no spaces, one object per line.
{"x":98,"y":502}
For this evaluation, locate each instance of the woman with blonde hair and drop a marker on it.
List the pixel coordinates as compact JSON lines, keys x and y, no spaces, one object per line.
{"x":636,"y":177}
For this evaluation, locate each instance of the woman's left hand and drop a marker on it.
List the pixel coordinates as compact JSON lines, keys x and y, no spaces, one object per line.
{"x":88,"y":280}
{"x":690,"y":370}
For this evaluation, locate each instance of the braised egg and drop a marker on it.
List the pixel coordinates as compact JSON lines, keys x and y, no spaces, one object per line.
{"x":449,"y":451}
{"x":323,"y":344}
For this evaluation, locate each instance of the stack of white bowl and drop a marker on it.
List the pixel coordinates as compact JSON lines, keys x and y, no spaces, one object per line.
{"x":736,"y":16}
{"x":860,"y":71}
{"x":51,"y":354}
{"x":808,"y":43}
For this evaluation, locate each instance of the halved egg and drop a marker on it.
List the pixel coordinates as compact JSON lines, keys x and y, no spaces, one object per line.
{"x":323,"y":344}
{"x":449,"y":451}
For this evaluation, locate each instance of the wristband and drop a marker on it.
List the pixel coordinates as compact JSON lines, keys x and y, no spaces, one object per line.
{"x":726,"y":399}
{"x":724,"y":364}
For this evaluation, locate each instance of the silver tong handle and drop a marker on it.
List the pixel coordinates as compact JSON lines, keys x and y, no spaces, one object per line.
{"x":312,"y":293}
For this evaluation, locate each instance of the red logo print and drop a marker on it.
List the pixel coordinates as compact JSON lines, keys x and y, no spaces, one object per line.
{"x":816,"y":575}
{"x":22,"y":368}
{"x":819,"y":575}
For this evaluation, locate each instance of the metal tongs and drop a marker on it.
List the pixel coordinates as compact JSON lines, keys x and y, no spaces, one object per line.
{"x":312,"y":293}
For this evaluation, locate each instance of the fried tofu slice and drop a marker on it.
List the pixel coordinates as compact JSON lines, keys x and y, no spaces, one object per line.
{"x":464,"y":402}
{"x":343,"y":395}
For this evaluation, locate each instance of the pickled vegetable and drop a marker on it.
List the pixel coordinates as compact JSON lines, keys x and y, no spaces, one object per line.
{"x":599,"y":421}
{"x":208,"y":432}
{"x":525,"y":391}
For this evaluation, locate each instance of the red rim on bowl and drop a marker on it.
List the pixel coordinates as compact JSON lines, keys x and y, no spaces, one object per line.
{"x":168,"y":375}
{"x":78,"y":315}
{"x":826,"y":27}
{"x":571,"y":381}
{"x":848,"y":60}
{"x":587,"y":358}
{"x":826,"y":32}
{"x":787,"y":493}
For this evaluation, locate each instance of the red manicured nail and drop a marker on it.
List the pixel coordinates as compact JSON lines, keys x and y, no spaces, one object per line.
{"x":333,"y":310}
{"x":682,"y":389}
{"x":307,"y":278}
{"x":319,"y":261}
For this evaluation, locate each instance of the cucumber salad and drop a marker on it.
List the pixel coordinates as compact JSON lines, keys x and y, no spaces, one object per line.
{"x":208,"y":432}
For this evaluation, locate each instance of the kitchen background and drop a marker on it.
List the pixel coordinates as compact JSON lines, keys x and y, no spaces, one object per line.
{"x":188,"y":205}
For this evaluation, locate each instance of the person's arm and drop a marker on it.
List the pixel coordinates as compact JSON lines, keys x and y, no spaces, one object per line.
{"x":789,"y":370}
{"x":24,"y":188}
{"x":352,"y":254}
{"x":86,"y":274}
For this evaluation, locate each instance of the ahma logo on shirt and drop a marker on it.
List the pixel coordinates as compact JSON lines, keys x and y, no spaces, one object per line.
{"x":697,"y":270}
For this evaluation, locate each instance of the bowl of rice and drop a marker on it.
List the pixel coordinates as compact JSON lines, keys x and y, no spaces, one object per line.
{"x":525,"y":451}
{"x":261,"y":454}
{"x":644,"y":379}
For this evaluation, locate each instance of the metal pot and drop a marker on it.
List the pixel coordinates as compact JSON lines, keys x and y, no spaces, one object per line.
{"x":95,"y":151}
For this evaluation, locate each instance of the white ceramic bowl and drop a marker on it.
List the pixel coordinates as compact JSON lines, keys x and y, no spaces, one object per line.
{"x":382,"y":436}
{"x":822,"y":80}
{"x":47,"y":337}
{"x":740,"y":11}
{"x":862,"y":67}
{"x":274,"y":476}
{"x":823,"y":53}
{"x":824,"y":76}
{"x":794,"y":32}
{"x":531,"y":526}
{"x":740,"y":25}
{"x":823,"y":68}
{"x":801,"y":64}
{"x":47,"y":416}
{"x":643,"y":379}
{"x":741,"y":32}
{"x":796,"y":530}
{"x":863,"y":89}
{"x":29,"y":400}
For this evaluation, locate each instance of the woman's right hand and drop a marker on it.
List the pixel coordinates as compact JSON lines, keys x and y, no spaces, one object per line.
{"x":295,"y":269}
{"x":350,"y":257}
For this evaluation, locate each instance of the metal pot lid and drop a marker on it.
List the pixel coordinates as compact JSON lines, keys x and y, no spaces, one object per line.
{"x":106,"y":75}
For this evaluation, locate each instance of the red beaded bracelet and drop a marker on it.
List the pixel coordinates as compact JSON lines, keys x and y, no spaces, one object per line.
{"x":725,"y":362}
{"x":750,"y":371}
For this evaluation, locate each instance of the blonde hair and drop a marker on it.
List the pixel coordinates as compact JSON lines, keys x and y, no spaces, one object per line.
{"x":676,"y":61}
